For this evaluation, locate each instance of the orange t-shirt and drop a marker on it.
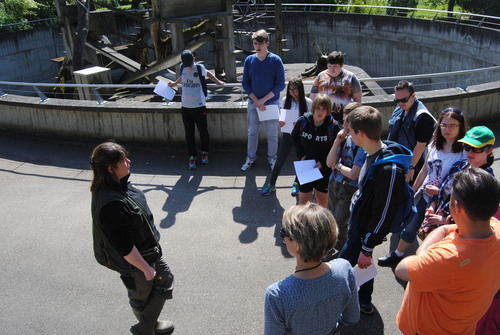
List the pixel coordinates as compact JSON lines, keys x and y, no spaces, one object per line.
{"x":451,"y":285}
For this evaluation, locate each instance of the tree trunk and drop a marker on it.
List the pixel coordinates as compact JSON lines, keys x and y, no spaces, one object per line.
{"x":451,"y":5}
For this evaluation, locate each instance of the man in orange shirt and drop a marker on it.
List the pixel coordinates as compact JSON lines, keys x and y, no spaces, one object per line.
{"x":456,"y":272}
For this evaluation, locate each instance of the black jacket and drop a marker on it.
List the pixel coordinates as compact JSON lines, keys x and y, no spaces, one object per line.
{"x":315,"y":142}
{"x":379,"y":196}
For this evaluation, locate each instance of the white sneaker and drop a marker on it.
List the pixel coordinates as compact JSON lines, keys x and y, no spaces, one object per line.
{"x":272,"y":163}
{"x":247,"y":165}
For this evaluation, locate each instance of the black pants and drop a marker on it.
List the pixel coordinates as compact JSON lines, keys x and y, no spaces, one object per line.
{"x":283,"y":150}
{"x":190,"y":117}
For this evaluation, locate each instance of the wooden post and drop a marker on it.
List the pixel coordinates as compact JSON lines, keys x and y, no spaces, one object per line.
{"x":66,"y":29}
{"x":177,"y":40}
{"x":228,"y":45}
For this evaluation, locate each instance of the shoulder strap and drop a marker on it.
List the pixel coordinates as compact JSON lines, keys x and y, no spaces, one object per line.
{"x":202,"y":80}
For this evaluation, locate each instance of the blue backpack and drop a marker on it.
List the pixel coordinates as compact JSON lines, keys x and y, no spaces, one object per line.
{"x":406,"y":210}
{"x":203,"y":81}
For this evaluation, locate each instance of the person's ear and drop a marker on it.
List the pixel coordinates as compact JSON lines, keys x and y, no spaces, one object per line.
{"x":110,"y":169}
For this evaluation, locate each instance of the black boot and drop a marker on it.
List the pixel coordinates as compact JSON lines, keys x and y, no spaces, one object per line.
{"x":148,"y":319}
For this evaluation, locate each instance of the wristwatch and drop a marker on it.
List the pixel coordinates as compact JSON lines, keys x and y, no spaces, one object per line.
{"x":338,"y":167}
{"x":411,"y":167}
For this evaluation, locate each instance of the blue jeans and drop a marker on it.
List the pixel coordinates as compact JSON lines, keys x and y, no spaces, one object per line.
{"x":253,"y":133}
{"x":409,"y":233}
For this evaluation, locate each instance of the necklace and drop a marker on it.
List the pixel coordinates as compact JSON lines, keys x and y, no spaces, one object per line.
{"x":307,"y":269}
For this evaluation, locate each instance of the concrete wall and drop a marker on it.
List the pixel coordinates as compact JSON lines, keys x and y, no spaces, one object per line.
{"x":25,"y":55}
{"x":392,"y":45}
{"x":159,"y":124}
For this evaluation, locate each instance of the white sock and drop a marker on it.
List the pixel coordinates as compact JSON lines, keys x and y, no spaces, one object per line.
{"x":399,"y":253}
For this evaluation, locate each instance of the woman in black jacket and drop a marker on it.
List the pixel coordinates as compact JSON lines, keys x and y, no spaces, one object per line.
{"x":126,"y":239}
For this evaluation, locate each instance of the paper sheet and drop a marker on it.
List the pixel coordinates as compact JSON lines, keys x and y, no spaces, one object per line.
{"x":272,"y":112}
{"x":306,"y":172}
{"x":164,"y":90}
{"x":289,"y":121}
{"x":364,"y":275}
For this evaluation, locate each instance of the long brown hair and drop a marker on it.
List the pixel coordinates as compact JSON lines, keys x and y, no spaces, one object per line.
{"x":104,"y":155}
{"x":438,"y":139}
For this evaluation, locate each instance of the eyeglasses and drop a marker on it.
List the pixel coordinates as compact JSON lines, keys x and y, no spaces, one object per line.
{"x":283,"y":233}
{"x":451,"y":109}
{"x":476,"y":150}
{"x":403,"y":101}
{"x":293,"y":90}
{"x":449,"y":126}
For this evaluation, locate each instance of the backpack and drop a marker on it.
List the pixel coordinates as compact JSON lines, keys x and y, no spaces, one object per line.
{"x":203,"y":81}
{"x":406,"y":209}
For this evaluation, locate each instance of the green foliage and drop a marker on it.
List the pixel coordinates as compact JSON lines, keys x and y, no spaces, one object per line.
{"x":485,"y":7}
{"x":401,"y":3}
{"x":14,"y":11}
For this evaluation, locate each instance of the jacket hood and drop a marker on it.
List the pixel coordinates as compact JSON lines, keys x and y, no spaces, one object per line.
{"x":396,"y":153}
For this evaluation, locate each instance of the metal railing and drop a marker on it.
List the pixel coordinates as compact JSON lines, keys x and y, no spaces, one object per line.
{"x":95,"y":87}
{"x":259,"y":10}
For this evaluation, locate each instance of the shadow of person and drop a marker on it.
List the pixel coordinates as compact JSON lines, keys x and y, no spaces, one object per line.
{"x":256,"y":211}
{"x":180,"y":196}
{"x":368,"y":324}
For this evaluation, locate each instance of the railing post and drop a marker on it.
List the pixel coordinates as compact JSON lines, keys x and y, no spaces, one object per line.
{"x":42,"y":96}
{"x":2,"y":93}
{"x":100,"y":100}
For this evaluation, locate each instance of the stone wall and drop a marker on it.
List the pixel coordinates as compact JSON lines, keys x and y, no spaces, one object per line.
{"x":159,"y":124}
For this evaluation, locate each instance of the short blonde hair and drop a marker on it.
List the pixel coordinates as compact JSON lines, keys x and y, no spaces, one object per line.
{"x":324,"y":101}
{"x":314,"y":229}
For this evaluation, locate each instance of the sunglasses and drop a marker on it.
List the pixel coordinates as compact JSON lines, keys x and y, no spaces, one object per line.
{"x":283,"y":233}
{"x":451,"y":109}
{"x":476,"y":150}
{"x":293,"y":90}
{"x":403,"y":101}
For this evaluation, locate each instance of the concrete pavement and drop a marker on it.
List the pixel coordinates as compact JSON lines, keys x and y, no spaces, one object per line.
{"x":220,"y":237}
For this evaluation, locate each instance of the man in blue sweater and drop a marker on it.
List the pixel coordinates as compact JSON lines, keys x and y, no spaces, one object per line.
{"x":263,"y":80}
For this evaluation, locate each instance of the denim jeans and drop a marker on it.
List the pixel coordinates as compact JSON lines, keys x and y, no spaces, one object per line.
{"x":253,"y":133}
{"x":409,"y":233}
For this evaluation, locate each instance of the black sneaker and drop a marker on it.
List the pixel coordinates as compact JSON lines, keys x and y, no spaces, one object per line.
{"x":389,"y":259}
{"x":366,"y":309}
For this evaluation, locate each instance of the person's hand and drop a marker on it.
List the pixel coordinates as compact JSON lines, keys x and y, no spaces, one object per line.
{"x":429,"y":210}
{"x":318,"y":165}
{"x":281,"y":123}
{"x":364,"y":261}
{"x":341,"y":135}
{"x":171,"y":84}
{"x":435,"y":219}
{"x":261,"y":107}
{"x":222,"y":83}
{"x":150,"y":273}
{"x":409,"y":175}
{"x":431,"y":190}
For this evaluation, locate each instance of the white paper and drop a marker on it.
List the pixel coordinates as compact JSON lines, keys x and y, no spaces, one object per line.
{"x":306,"y":172}
{"x":364,"y":275}
{"x":289,"y":121}
{"x":272,"y":112}
{"x":164,"y":90}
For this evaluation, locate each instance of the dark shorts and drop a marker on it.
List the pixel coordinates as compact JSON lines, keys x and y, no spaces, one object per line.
{"x":320,"y":185}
